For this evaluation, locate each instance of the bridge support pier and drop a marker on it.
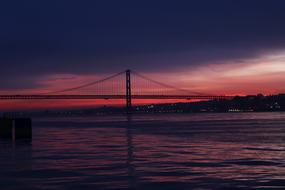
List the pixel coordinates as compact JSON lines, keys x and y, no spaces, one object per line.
{"x":128,"y":92}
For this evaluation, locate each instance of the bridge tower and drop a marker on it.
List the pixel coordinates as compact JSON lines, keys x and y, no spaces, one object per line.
{"x":128,"y":91}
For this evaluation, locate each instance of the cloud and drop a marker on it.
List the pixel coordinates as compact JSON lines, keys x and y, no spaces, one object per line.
{"x":70,"y":37}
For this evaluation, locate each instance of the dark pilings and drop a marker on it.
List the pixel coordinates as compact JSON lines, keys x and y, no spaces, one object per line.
{"x":6,"y":128}
{"x":23,"y":128}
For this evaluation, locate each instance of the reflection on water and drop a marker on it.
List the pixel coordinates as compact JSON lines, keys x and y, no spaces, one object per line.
{"x":244,"y":152}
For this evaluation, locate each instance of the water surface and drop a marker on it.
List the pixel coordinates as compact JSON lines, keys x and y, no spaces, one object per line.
{"x":167,"y":151}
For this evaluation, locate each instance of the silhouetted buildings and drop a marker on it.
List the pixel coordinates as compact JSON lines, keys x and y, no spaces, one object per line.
{"x":252,"y":103}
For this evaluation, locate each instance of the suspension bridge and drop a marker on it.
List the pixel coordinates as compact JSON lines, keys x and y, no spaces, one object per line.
{"x":126,"y":85}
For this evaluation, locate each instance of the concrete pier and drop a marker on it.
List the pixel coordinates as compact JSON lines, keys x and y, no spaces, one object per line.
{"x":19,"y":128}
{"x":6,"y":128}
{"x":23,"y":128}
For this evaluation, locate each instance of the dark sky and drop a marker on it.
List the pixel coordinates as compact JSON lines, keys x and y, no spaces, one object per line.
{"x":39,"y":38}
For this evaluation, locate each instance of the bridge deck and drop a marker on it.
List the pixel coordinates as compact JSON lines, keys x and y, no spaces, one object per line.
{"x":42,"y":97}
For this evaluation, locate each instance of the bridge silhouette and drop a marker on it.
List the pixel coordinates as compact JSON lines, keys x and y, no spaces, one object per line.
{"x":126,"y":85}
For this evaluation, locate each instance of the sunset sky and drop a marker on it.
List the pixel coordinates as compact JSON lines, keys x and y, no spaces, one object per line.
{"x":233,"y":47}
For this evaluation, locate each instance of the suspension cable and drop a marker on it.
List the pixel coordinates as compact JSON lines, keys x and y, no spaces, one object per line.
{"x":85,"y":85}
{"x":165,"y":85}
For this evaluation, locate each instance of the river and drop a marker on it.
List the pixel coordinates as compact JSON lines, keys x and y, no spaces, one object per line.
{"x":160,"y":151}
